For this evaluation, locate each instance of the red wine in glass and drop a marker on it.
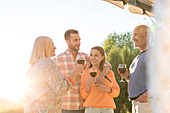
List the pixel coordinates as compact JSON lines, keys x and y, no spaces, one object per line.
{"x":80,"y":61}
{"x":93,"y":74}
{"x":122,"y":69}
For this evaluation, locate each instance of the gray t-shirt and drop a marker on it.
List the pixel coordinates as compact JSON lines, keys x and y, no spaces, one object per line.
{"x":138,"y":75}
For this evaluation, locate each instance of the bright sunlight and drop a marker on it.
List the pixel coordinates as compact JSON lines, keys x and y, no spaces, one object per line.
{"x":14,"y":64}
{"x":12,"y":88}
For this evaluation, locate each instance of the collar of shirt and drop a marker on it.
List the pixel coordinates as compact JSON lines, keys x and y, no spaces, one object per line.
{"x":143,"y":52}
{"x":67,"y":52}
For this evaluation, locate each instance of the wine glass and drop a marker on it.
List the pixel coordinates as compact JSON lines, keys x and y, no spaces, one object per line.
{"x":80,"y":60}
{"x":122,"y":69}
{"x":93,"y":72}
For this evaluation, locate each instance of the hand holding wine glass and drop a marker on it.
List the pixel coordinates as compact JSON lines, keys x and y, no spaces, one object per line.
{"x":121,"y":69}
{"x":93,"y":72}
{"x":92,"y":79}
{"x":80,"y":60}
{"x":76,"y":71}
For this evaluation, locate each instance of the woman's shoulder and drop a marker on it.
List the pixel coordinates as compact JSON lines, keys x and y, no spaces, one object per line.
{"x":110,"y":72}
{"x":46,"y":62}
{"x":45,"y":59}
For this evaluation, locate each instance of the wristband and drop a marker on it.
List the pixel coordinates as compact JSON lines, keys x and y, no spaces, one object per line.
{"x":72,"y":83}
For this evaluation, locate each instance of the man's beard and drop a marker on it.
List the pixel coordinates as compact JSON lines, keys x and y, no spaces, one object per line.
{"x":74,"y":48}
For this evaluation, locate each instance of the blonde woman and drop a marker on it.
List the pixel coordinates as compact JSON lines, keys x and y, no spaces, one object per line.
{"x":45,"y":84}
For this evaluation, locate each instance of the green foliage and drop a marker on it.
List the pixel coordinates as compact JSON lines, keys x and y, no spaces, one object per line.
{"x":114,"y":39}
{"x":127,"y":55}
{"x":114,"y":57}
{"x":119,"y":49}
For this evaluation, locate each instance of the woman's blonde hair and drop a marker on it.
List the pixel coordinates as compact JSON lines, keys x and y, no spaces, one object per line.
{"x":41,"y":49}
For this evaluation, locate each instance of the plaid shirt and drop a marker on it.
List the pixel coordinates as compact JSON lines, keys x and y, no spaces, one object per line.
{"x":66,"y":62}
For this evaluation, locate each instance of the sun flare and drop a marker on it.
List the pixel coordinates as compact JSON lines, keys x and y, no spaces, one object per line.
{"x":12,"y":88}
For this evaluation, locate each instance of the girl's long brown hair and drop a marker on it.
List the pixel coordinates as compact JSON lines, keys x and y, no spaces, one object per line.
{"x":101,"y":50}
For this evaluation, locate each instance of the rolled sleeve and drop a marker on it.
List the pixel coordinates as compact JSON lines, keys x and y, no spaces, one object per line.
{"x":115,"y":87}
{"x":84,"y":94}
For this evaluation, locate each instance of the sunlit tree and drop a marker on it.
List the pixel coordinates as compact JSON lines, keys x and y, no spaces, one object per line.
{"x":119,"y":49}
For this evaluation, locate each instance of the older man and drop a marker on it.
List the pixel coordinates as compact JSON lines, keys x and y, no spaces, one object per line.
{"x":138,"y":77}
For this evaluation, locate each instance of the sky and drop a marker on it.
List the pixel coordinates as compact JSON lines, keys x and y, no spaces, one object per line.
{"x":21,"y":21}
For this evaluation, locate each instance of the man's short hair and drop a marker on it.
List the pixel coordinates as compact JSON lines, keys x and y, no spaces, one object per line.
{"x":68,"y":32}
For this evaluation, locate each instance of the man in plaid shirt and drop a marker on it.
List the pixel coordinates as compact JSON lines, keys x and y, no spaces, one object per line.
{"x":66,"y":61}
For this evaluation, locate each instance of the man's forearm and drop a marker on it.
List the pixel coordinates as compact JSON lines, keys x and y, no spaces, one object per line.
{"x":101,"y":78}
{"x":144,"y":97}
{"x":105,"y":70}
{"x":127,"y":78}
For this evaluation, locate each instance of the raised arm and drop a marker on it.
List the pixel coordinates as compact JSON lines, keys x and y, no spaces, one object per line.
{"x":59,"y":84}
{"x":55,"y":80}
{"x":125,"y":75}
{"x":106,"y":69}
